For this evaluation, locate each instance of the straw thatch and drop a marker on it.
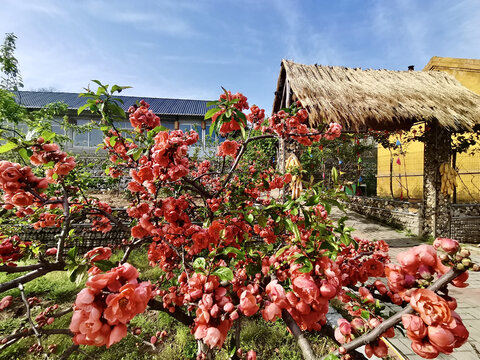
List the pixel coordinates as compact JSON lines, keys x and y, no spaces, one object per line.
{"x":377,"y":99}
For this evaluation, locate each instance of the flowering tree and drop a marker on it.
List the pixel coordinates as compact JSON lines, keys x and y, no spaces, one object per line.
{"x":227,"y":246}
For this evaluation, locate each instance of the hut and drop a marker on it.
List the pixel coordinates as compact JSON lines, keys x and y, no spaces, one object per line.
{"x":388,"y":100}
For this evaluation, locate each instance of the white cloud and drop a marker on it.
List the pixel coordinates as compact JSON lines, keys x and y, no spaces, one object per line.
{"x":161,"y":21}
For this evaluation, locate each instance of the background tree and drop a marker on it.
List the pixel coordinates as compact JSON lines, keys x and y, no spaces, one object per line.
{"x":11,"y":78}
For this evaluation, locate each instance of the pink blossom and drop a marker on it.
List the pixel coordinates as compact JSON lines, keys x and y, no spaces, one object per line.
{"x":416,"y":329}
{"x":450,"y":246}
{"x":5,"y":302}
{"x":272,"y":312}
{"x":248,"y":304}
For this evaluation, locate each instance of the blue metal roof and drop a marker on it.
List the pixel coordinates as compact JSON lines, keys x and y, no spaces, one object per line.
{"x":160,"y":106}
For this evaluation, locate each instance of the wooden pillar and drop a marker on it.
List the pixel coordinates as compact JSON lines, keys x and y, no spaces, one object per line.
{"x":282,"y":151}
{"x":436,"y":206}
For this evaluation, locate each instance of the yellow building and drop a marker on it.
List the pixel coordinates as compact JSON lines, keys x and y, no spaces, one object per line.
{"x":407,"y":159}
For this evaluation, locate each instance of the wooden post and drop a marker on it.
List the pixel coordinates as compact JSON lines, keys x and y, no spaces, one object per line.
{"x":282,"y":145}
{"x":436,"y":206}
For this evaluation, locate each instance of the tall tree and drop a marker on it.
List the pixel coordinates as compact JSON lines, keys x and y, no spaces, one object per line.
{"x":11,"y":78}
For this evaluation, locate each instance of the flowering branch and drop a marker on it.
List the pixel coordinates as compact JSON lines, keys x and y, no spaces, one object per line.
{"x":239,"y":156}
{"x":393,"y":320}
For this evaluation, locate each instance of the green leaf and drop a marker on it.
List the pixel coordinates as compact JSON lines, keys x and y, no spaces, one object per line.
{"x":293,"y":228}
{"x":83,"y":107}
{"x":233,"y":250}
{"x":249,"y":218}
{"x":137,"y":154}
{"x":223,"y":273}
{"x":365,"y":314}
{"x":72,"y":254}
{"x":212,"y":128}
{"x":116,"y":88}
{"x":262,"y":221}
{"x":282,"y":250}
{"x":24,"y":154}
{"x":307,"y":264}
{"x":334,"y":174}
{"x":331,"y":357}
{"x":7,"y":147}
{"x":77,"y":273}
{"x":157,"y":129}
{"x":211,"y":112}
{"x":211,"y":103}
{"x":113,"y":140}
{"x":242,"y":117}
{"x":200,"y":263}
{"x":105,"y":265}
{"x":48,"y":135}
{"x":345,"y":239}
{"x":242,"y":129}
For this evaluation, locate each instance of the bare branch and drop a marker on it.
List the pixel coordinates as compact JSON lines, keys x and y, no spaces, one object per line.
{"x":302,"y":341}
{"x":16,"y":269}
{"x":177,"y":314}
{"x":29,"y":318}
{"x":113,"y":219}
{"x":15,"y":337}
{"x":68,"y":352}
{"x":65,"y":226}
{"x":46,"y":268}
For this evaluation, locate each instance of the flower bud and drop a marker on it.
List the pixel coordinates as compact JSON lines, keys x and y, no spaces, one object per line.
{"x":460,"y":267}
{"x":466,"y":262}
{"x":465,"y":253}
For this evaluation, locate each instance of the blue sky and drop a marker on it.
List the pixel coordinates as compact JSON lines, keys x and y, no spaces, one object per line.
{"x":189,"y":49}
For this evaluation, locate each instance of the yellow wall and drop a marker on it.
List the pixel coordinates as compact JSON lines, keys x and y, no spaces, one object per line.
{"x":467,"y":72}
{"x":410,"y":164}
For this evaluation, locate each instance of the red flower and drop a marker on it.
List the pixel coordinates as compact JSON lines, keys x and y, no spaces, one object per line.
{"x":248,"y":304}
{"x":131,"y":300}
{"x":448,"y":245}
{"x":51,"y":251}
{"x":5,"y":302}
{"x":99,"y":253}
{"x":425,"y":349}
{"x":306,"y":288}
{"x":416,"y":329}
{"x":432,"y":308}
{"x":228,"y":147}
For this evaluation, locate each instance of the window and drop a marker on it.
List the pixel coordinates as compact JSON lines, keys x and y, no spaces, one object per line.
{"x":89,"y":139}
{"x":213,"y":139}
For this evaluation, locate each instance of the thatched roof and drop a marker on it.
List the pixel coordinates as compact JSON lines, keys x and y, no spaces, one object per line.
{"x":378,"y":99}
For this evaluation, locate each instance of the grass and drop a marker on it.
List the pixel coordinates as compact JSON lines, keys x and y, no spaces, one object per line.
{"x":269,"y":340}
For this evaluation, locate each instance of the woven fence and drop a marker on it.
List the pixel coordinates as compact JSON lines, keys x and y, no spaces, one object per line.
{"x":84,"y":237}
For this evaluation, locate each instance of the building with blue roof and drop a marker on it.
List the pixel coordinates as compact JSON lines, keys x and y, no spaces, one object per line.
{"x":183,"y":114}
